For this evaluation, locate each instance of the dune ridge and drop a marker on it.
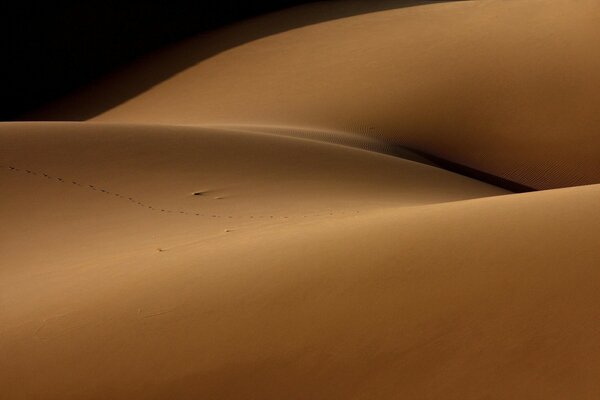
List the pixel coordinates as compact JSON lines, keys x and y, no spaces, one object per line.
{"x":509,"y":88}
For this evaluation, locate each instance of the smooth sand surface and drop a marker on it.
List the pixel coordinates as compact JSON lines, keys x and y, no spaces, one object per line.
{"x":508,"y":87}
{"x":257,"y":226}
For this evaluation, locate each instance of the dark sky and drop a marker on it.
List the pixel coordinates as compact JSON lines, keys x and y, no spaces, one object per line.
{"x":51,"y":48}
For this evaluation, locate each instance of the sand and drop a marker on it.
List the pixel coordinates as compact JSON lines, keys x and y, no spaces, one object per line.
{"x":265,"y":223}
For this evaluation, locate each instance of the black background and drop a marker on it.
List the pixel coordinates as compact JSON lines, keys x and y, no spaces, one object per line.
{"x":51,"y":48}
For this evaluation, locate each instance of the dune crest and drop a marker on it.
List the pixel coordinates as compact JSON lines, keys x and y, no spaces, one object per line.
{"x":509,"y":88}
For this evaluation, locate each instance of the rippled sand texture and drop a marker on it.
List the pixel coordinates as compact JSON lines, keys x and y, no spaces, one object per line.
{"x":259,"y":215}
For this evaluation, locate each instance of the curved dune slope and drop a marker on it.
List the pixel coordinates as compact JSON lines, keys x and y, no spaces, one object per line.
{"x":510,"y":88}
{"x":432,"y":289}
{"x":116,"y":188}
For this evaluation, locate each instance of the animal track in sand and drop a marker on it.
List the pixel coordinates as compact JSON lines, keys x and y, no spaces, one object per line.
{"x":138,"y":203}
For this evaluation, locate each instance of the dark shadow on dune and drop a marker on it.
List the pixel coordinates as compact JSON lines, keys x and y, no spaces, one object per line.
{"x":485,"y":177}
{"x":108,"y":92}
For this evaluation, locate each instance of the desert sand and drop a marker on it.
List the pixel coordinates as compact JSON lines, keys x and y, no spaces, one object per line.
{"x":267,"y":222}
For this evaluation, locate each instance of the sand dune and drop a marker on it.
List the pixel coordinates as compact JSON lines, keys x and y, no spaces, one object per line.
{"x":89,"y":181}
{"x":452,"y":299}
{"x":506,"y":87}
{"x":264,"y":224}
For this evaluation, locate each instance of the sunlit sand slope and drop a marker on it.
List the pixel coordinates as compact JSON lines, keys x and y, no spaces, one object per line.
{"x":96,"y":190}
{"x":449,"y":289}
{"x":510,"y":88}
